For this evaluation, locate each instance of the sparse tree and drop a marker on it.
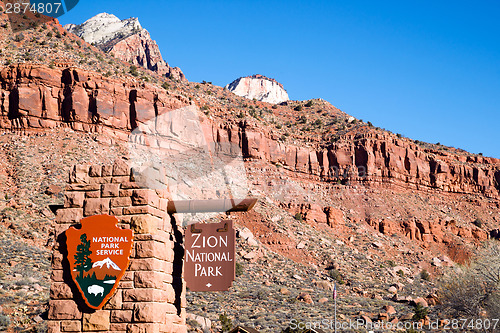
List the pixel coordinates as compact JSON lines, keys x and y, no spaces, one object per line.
{"x":474,"y":290}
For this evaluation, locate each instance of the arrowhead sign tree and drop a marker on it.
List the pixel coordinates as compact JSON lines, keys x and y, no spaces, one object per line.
{"x":83,"y":263}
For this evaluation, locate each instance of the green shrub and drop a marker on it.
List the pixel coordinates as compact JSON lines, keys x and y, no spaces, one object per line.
{"x":420,"y":312}
{"x":298,"y":217}
{"x":19,"y":37}
{"x":165,"y":85}
{"x":335,"y":274}
{"x":238,"y":269}
{"x":309,"y":104}
{"x":133,"y":70}
{"x":478,"y":223}
{"x":226,"y":322}
{"x":424,"y":275}
{"x":298,"y":108}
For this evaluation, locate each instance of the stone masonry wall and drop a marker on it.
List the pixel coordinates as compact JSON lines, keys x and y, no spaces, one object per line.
{"x":151,"y":295}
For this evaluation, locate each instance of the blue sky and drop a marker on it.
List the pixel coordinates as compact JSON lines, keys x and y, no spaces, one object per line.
{"x":429,"y":70}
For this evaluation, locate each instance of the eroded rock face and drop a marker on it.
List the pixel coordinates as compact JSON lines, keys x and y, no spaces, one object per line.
{"x":126,"y":40}
{"x":34,"y":96}
{"x":260,"y":88}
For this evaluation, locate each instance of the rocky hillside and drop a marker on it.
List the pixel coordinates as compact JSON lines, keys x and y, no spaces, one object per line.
{"x":125,"y":40}
{"x":340,"y":200}
{"x":260,"y":88}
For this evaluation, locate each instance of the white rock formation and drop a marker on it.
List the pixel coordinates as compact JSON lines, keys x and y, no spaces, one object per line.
{"x":259,"y":87}
{"x":104,"y":27}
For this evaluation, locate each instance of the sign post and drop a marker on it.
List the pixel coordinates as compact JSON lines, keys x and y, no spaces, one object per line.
{"x":210,"y":256}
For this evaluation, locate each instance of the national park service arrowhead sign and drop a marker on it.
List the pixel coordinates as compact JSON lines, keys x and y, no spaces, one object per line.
{"x":98,"y":256}
{"x":209,"y":261}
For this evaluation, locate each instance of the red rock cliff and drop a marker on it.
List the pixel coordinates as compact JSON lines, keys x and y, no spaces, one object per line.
{"x":38,"y":97}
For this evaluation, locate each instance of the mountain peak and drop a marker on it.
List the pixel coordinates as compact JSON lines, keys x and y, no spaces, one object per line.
{"x":104,"y":27}
{"x":259,"y":87}
{"x":127,"y":40}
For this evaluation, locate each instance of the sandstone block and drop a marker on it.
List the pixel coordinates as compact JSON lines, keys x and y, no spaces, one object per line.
{"x":57,"y":259}
{"x":117,"y":211}
{"x":69,"y":215}
{"x":120,"y":168}
{"x":145,"y":197}
{"x":110,"y":190}
{"x":118,"y":327}
{"x":83,"y":187}
{"x":152,"y":312}
{"x":151,"y":279}
{"x":60,"y":290}
{"x":151,"y":264}
{"x":107,"y":171}
{"x":115,"y":302}
{"x":63,"y":310}
{"x":126,"y":284}
{"x":73,"y":199}
{"x":57,"y":275}
{"x":94,"y":206}
{"x":121,"y":202}
{"x":95,"y":171}
{"x":144,"y":328}
{"x":93,"y":194}
{"x":146,"y":295}
{"x":71,"y":326}
{"x":97,"y":321}
{"x":145,"y":224}
{"x":79,"y":174}
{"x":153,"y":249}
{"x":53,"y":326}
{"x":121,"y":316}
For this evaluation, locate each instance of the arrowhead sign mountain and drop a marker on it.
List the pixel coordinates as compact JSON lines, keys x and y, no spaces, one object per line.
{"x":98,"y":256}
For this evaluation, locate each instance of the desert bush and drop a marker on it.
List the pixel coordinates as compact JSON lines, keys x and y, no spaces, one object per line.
{"x":226,"y":322}
{"x":238,"y":270}
{"x":478,"y":223}
{"x":424,"y":275}
{"x":335,"y":274}
{"x":4,"y":321}
{"x":133,"y":70}
{"x":420,"y":312}
{"x":298,"y":217}
{"x":473,"y":290}
{"x":19,"y":37}
{"x":309,"y":104}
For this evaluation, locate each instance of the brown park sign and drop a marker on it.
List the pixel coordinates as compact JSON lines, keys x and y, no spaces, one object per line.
{"x":98,"y":255}
{"x":209,"y":260}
